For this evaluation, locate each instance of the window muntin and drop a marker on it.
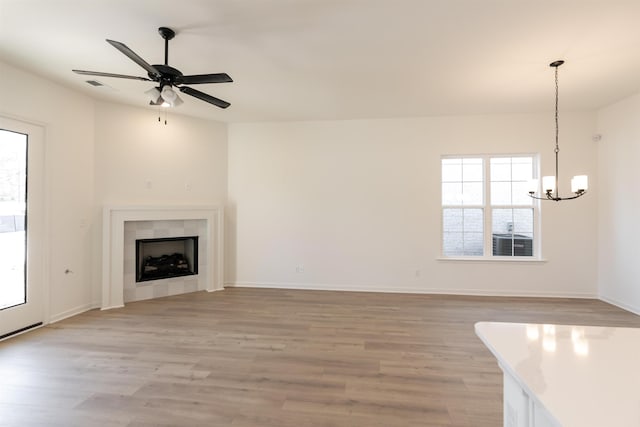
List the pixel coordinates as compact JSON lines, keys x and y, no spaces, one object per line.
{"x":485,"y":206}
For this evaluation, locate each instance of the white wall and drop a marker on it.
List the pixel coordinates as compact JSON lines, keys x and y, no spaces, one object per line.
{"x":358,"y":204}
{"x":619,"y":208}
{"x":140,"y":161}
{"x":99,"y":153}
{"x":68,"y":120}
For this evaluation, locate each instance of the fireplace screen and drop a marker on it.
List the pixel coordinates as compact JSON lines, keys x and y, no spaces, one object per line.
{"x":166,"y":257}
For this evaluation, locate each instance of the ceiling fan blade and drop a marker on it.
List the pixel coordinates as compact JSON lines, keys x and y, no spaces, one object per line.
{"x":206,"y":78}
{"x":204,"y":97}
{"x":101,"y":74}
{"x":134,"y":57}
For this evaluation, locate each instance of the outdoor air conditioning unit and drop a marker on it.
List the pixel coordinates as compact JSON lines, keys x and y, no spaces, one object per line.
{"x":504,"y":243}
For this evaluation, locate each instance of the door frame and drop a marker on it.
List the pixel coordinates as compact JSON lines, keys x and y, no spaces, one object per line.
{"x":37,"y":226}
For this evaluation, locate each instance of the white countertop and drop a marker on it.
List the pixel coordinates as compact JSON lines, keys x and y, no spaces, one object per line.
{"x":582,"y":375}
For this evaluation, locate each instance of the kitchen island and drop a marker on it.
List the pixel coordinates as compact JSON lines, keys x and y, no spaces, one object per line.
{"x":563,"y":375}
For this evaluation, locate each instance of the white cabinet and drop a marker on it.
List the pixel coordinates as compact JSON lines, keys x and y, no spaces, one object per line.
{"x":521,"y":410}
{"x":516,"y":404}
{"x":541,"y":418}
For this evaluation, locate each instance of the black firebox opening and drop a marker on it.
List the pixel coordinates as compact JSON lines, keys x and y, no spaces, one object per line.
{"x":166,"y":257}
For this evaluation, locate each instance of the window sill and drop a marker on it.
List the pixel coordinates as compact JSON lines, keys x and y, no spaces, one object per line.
{"x":525,"y":260}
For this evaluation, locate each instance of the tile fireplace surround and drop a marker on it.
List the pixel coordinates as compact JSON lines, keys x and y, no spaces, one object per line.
{"x":113,"y":244}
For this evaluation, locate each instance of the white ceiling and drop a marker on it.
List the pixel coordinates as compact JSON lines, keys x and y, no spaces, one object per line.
{"x":340,"y":59}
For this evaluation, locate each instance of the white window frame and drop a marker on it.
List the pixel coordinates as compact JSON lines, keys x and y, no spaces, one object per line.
{"x":487,"y":211}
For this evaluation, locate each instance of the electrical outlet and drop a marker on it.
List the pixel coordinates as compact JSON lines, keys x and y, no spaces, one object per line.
{"x":300,"y":268}
{"x":418,"y":273}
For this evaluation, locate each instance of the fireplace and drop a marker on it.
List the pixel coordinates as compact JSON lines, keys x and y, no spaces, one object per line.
{"x":123,"y":225}
{"x":164,"y":258}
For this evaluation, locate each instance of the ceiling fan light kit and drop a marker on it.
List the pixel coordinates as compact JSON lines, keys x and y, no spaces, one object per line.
{"x":154,"y":95}
{"x":167,"y":77}
{"x":579,"y":183}
{"x":168,"y":94}
{"x":177,"y":102}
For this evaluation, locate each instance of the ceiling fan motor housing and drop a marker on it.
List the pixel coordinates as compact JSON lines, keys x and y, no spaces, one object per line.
{"x":169,"y":75}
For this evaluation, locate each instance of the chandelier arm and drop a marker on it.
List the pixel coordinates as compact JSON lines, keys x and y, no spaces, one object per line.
{"x":557,"y":199}
{"x":573,"y":197}
{"x":538,"y":197}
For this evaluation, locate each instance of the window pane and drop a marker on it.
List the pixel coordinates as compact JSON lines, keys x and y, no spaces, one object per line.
{"x":451,"y":170}
{"x":452,"y":220}
{"x":452,"y":244}
{"x":501,"y":169}
{"x":452,"y":193}
{"x":472,"y":193}
{"x":500,"y":193}
{"x":522,"y":168}
{"x":473,"y":232}
{"x":523,"y":221}
{"x":502,"y":221}
{"x":473,"y":244}
{"x":472,"y":170}
{"x":473,"y":220}
{"x":520,"y":194}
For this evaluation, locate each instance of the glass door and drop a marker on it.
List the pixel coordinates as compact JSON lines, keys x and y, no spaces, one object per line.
{"x":21,"y":226}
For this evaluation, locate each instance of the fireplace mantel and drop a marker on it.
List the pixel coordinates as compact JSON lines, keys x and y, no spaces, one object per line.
{"x":113,"y":221}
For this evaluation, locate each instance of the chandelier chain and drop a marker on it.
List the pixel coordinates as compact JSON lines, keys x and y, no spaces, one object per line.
{"x":557,"y":150}
{"x":556,"y":116}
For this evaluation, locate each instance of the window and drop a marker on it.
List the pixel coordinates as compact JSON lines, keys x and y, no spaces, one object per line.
{"x":486,"y":210}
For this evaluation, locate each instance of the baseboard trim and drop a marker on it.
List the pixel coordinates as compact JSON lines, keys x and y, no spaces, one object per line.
{"x":619,"y":304}
{"x":112,"y":307}
{"x":70,"y":313}
{"x":401,"y":290}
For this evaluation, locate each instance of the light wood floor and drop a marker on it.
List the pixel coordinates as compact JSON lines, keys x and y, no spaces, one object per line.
{"x":251,"y":357}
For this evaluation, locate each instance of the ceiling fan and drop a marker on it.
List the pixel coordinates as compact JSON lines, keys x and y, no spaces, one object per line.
{"x":167,"y":77}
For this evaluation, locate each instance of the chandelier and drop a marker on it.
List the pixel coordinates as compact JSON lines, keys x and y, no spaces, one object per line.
{"x":579,"y":183}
